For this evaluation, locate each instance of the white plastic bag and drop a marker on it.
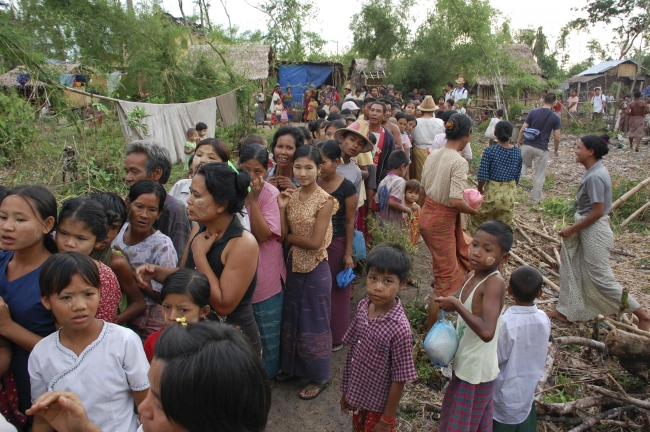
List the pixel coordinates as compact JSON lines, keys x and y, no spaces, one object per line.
{"x":441,"y":342}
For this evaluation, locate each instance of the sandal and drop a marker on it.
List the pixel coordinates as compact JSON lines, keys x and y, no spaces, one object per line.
{"x":284,"y":377}
{"x":320,"y":387}
{"x":337,"y":347}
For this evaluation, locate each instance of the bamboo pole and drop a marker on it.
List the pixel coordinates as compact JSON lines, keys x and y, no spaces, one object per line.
{"x":520,"y":231}
{"x":539,"y":233}
{"x":544,"y":278}
{"x":629,"y":193}
{"x":635,"y":214}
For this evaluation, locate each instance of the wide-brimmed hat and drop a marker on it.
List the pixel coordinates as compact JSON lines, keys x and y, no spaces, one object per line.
{"x":349,"y":105}
{"x":428,"y":105}
{"x":277,"y":85}
{"x":460,"y":80}
{"x":359,"y":128}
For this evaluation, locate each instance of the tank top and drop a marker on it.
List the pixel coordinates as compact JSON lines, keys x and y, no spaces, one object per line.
{"x":476,"y":361}
{"x":242,"y":316}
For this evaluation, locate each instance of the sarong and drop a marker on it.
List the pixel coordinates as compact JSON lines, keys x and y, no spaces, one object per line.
{"x":268,"y":315}
{"x":588,"y":284}
{"x":636,"y":127}
{"x":498,"y":204}
{"x":624,"y":124}
{"x":340,"y":318}
{"x":365,"y":421}
{"x":306,"y":336}
{"x":441,"y":230}
{"x":149,"y":322}
{"x":467,"y":407}
{"x":419,"y":157}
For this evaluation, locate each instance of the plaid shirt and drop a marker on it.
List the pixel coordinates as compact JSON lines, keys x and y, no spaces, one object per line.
{"x":380,"y":353}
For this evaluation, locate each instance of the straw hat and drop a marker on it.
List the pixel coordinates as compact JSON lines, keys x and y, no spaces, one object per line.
{"x":460,"y":80}
{"x":359,"y":128}
{"x":428,"y":105}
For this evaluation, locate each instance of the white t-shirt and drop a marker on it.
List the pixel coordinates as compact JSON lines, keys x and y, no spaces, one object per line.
{"x":103,"y":376}
{"x":598,"y":102}
{"x":459,"y":94}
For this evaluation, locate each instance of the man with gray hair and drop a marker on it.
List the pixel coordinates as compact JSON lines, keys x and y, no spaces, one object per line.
{"x":149,"y":161}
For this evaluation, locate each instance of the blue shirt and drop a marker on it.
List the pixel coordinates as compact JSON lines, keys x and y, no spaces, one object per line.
{"x":500,"y":164}
{"x":23,"y":296}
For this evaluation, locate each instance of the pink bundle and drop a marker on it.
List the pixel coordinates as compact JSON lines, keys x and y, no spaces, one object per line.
{"x":473,"y":198}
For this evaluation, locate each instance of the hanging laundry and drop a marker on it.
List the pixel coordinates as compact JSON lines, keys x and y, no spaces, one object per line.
{"x":23,"y":79}
{"x":227,"y":104}
{"x":67,"y":80}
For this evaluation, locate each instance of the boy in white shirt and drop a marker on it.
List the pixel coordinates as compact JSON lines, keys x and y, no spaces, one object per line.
{"x":522,"y":347}
{"x":600,"y":105}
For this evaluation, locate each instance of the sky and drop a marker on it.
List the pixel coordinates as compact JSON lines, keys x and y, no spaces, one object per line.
{"x":335,"y":15}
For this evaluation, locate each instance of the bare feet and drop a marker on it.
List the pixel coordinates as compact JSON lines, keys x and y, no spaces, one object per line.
{"x":554,"y":314}
{"x":644,"y":319}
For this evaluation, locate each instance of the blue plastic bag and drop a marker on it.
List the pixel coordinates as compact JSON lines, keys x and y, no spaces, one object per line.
{"x":359,"y":246}
{"x":441,"y":342}
{"x":344,"y":278}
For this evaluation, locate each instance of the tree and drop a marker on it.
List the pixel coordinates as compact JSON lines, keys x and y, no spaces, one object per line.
{"x":380,"y":29}
{"x":630,"y":18}
{"x":286,"y":31}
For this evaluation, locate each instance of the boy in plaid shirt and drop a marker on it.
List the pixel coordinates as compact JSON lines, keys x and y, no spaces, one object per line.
{"x":380,"y":358}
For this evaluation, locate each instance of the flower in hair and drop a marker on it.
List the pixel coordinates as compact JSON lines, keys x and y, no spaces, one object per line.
{"x":182,"y":321}
{"x":450,"y":124}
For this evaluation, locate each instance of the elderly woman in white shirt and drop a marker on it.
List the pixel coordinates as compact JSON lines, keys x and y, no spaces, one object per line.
{"x":441,"y":139}
{"x":423,"y":135}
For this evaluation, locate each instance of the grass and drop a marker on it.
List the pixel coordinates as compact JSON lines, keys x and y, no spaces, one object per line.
{"x":558,"y":207}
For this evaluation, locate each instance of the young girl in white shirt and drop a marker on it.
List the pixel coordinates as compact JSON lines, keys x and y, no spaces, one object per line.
{"x":101,"y":362}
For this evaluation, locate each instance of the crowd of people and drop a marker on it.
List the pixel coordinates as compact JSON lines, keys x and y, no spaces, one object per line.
{"x":184,"y":303}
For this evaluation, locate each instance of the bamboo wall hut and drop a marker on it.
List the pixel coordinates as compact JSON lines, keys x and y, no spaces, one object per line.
{"x":366,"y":72}
{"x":254,"y":62}
{"x":522,"y":57}
{"x":624,"y":72}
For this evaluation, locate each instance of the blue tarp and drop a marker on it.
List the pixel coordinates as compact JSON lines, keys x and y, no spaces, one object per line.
{"x":300,"y":77}
{"x":646,"y":92}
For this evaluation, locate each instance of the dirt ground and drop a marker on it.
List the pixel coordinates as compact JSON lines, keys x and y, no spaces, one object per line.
{"x":629,"y":262}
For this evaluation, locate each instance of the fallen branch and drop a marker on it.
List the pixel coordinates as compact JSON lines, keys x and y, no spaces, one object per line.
{"x":555,"y":251}
{"x":626,"y":424}
{"x":522,"y":233}
{"x":631,"y":350}
{"x":539,"y":233}
{"x":614,"y":395}
{"x":629,"y":193}
{"x":552,"y":351}
{"x":544,"y":278}
{"x":590,"y":422}
{"x":564,"y":420}
{"x":623,"y":326}
{"x":560,"y":409}
{"x":635,"y":214}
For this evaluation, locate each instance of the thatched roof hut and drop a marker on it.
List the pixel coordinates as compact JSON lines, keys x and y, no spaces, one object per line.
{"x":254,"y":62}
{"x":366,"y":72}
{"x":523,"y":57}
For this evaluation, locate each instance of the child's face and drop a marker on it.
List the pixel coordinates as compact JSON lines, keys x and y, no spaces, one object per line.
{"x":113,"y":231}
{"x":329,"y":132}
{"x":76,"y":305}
{"x":202,"y":133}
{"x":206,"y":154}
{"x":352,"y":145}
{"x":412,"y":195}
{"x":181,"y":306}
{"x":20,"y":226}
{"x":328,"y":101}
{"x":382,"y":287}
{"x":305,"y":171}
{"x":328,"y":167}
{"x":192,"y":137}
{"x":74,"y":235}
{"x":485,"y":252}
{"x":403,"y":124}
{"x":411,"y":125}
{"x":254,"y":168}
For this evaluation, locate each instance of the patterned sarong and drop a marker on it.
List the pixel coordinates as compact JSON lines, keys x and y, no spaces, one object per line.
{"x":467,"y":407}
{"x":588,"y":284}
{"x":498,"y":204}
{"x":636,"y":127}
{"x":365,"y":421}
{"x":419,"y":157}
{"x":441,"y":230}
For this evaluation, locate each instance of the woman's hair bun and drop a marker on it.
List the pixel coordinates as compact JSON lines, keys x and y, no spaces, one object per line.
{"x":242,"y":182}
{"x":503,"y":131}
